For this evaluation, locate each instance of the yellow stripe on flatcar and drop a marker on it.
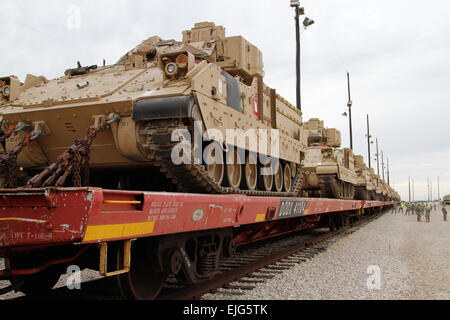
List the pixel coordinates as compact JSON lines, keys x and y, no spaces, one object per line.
{"x":122,"y":202}
{"x":118,"y":230}
{"x":260,"y":217}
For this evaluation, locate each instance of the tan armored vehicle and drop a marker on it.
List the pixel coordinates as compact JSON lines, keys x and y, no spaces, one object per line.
{"x":378,"y":188}
{"x":167,"y":116}
{"x":393,"y":195}
{"x":446,"y":199}
{"x":364,"y":186}
{"x":385,"y":191}
{"x":329,"y":171}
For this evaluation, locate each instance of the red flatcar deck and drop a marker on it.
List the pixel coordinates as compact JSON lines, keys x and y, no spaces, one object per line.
{"x":31,"y":218}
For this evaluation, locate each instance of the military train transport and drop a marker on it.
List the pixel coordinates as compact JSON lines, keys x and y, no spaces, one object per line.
{"x":84,"y":159}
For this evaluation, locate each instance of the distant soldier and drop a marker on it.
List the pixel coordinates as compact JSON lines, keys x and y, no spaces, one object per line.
{"x":415,"y":207}
{"x":444,"y":212}
{"x":427,"y":212}
{"x":419,"y":213}
{"x":402,"y":204}
{"x":410,"y":208}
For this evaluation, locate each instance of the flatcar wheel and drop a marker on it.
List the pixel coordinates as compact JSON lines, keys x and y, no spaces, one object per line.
{"x":279,"y":178}
{"x":234,"y":172}
{"x":287,"y":178}
{"x":142,"y":282}
{"x":251,"y":173}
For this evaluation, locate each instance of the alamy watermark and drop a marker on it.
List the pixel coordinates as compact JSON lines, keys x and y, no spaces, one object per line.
{"x":222,"y":149}
{"x":73,"y":21}
{"x":374,"y":280}
{"x":74,"y":279}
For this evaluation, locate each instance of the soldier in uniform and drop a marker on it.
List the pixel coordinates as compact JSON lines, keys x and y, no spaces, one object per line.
{"x":402,"y":204}
{"x":427,"y":212}
{"x":444,"y":212}
{"x":419,"y":213}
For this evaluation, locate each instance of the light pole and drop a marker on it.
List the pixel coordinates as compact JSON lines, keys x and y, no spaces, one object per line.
{"x":349,"y":105}
{"x":378,"y":160}
{"x":439,"y":191}
{"x":299,"y":11}
{"x":368,"y":140}
{"x":388,"y":182}
{"x":409,"y":188}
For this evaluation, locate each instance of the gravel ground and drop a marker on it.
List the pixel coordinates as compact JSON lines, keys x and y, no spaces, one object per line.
{"x":413,"y":260}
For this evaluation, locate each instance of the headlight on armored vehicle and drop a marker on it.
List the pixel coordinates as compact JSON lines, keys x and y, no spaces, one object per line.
{"x":327,"y":152}
{"x":6,"y":90}
{"x":182,"y":61}
{"x":171,"y":69}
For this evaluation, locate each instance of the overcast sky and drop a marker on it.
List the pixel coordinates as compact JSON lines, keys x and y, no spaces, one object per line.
{"x":397,"y":53}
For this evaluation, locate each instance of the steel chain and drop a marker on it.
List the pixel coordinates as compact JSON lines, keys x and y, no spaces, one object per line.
{"x":8,"y":163}
{"x":75,"y":161}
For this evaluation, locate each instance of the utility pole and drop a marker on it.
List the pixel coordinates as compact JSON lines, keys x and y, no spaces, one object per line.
{"x":413,"y":189}
{"x":382,"y":163}
{"x":409,"y":188}
{"x":368,"y":141}
{"x":388,"y":172}
{"x":378,"y":160}
{"x":439,"y":193}
{"x":349,"y":104}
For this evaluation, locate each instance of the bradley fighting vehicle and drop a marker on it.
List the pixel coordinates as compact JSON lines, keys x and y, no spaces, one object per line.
{"x":329,"y":171}
{"x":167,"y":116}
{"x":365,"y":186}
{"x":378,"y":194}
{"x":446,"y":199}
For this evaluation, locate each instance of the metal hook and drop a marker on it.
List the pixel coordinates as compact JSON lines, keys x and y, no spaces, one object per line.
{"x":34,"y":136}
{"x":115,"y":118}
{"x":22,"y":127}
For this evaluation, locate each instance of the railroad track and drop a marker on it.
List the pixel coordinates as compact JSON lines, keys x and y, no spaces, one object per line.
{"x":250,"y":267}
{"x":254,"y":263}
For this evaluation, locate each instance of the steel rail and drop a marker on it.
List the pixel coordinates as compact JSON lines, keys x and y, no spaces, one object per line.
{"x":195,"y":292}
